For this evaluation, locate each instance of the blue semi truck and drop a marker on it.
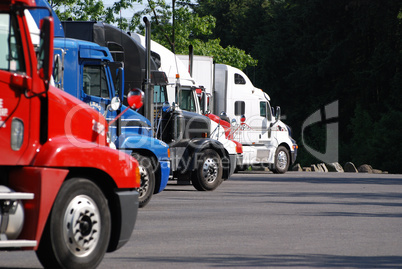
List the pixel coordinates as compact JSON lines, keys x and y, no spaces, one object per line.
{"x":88,"y":72}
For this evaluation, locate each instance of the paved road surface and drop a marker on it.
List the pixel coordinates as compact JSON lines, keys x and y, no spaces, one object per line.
{"x":260,"y":220}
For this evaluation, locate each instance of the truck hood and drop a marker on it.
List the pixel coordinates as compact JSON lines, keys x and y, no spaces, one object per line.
{"x":74,"y":119}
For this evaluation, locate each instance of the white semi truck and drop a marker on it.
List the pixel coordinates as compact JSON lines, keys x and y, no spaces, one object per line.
{"x":265,"y":138}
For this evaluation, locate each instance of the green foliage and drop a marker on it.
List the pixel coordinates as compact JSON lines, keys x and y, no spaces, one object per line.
{"x":81,"y":10}
{"x":313,"y":52}
{"x":230,"y":55}
{"x":377,"y":142}
{"x":189,"y":29}
{"x":92,"y":10}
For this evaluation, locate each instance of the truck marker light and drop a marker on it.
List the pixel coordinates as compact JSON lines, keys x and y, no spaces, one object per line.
{"x":242,"y":119}
{"x":168,"y":152}
{"x":137,"y":177}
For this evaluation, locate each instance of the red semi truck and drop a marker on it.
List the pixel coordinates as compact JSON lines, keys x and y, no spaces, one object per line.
{"x":63,"y":192}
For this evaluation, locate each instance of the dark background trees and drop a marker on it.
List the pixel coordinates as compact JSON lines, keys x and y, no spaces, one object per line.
{"x":314,"y":52}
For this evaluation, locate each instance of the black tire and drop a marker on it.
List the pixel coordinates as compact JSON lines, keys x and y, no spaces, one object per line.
{"x":84,"y":244}
{"x":208,"y":175}
{"x":147,"y":179}
{"x":282,"y":160}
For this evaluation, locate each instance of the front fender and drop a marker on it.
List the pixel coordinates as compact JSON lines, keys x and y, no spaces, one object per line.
{"x":73,"y":152}
{"x":196,"y":146}
{"x":159,"y":148}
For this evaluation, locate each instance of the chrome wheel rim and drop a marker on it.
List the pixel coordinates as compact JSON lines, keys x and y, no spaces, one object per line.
{"x":210,"y":170}
{"x":144,"y":181}
{"x":82,"y":225}
{"x":282,"y":160}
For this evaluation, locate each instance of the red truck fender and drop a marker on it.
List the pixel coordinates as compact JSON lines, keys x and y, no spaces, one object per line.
{"x":63,"y":152}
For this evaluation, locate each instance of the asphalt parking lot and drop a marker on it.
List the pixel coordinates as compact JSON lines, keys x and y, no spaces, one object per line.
{"x":262,"y":220}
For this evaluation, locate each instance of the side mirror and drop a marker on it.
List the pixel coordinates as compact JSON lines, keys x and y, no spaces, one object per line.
{"x":135,"y":98}
{"x":115,"y":104}
{"x":278,"y":113}
{"x":166,"y":107}
{"x":45,"y":52}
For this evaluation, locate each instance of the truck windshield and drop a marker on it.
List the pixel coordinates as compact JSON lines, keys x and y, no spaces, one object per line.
{"x":94,"y":82}
{"x":265,"y":110}
{"x":11,"y":56}
{"x":187,"y":100}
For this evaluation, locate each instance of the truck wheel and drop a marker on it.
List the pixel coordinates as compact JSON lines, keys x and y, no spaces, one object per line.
{"x":147,"y":179}
{"x":281,"y":160}
{"x":208,"y":175}
{"x":78,"y":230}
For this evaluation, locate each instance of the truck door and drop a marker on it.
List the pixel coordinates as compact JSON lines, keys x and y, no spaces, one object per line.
{"x":14,"y":106}
{"x":266,"y":119}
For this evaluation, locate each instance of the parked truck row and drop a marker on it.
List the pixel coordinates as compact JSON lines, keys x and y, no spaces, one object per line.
{"x":95,"y":121}
{"x":195,"y":156}
{"x":251,"y":133}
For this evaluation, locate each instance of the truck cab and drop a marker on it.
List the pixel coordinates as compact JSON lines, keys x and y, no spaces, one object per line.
{"x":51,"y":176}
{"x":266,"y":139}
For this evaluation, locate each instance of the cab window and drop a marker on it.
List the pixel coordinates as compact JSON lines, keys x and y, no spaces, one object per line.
{"x":240,"y":108}
{"x":159,"y":94}
{"x":265,"y":110}
{"x":94,"y":82}
{"x":187,"y":101}
{"x":11,"y":56}
{"x":239,"y":79}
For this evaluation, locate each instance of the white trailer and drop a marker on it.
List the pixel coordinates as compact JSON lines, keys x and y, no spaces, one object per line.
{"x":265,"y":138}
